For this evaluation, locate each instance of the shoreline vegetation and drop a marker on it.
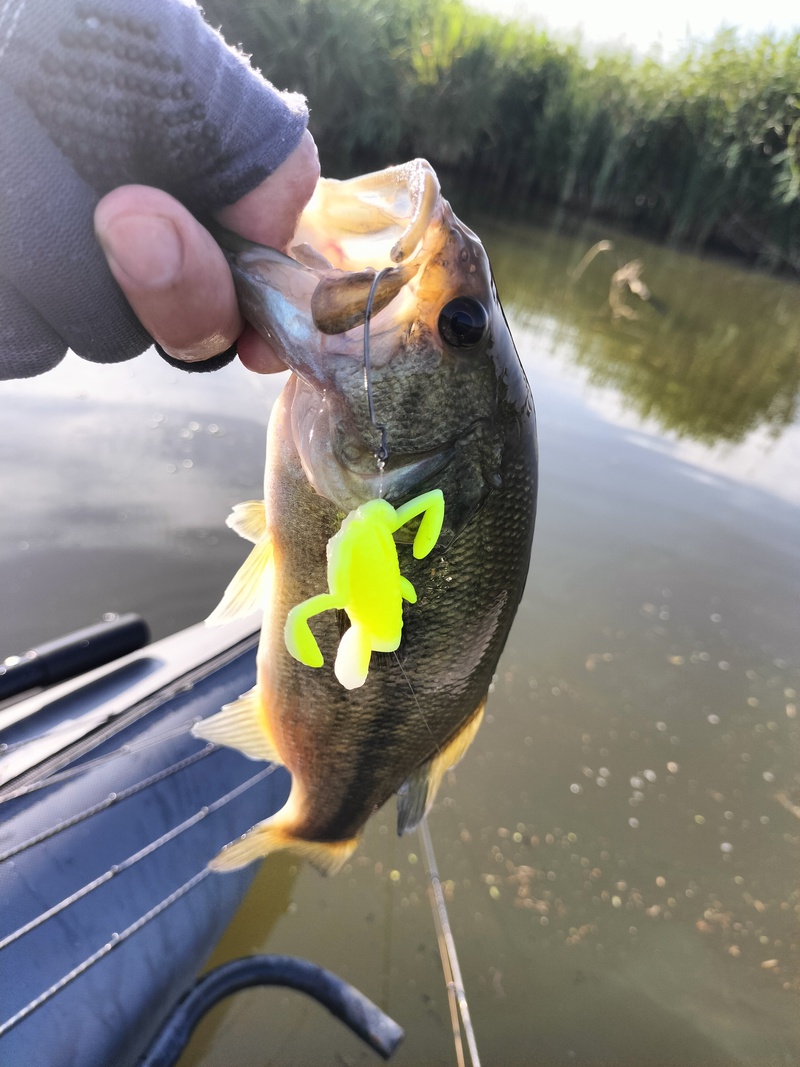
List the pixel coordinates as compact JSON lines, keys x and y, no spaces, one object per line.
{"x":701,"y":151}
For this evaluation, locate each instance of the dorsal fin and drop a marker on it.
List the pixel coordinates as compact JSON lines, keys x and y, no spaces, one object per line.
{"x":241,"y":725}
{"x":422,"y":785}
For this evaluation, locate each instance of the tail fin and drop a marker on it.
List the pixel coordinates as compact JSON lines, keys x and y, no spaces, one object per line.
{"x":270,"y":836}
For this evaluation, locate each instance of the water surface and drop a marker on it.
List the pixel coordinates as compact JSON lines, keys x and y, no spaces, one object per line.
{"x":620,"y":845}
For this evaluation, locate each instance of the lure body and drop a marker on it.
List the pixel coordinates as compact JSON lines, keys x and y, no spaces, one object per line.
{"x":364,"y":580}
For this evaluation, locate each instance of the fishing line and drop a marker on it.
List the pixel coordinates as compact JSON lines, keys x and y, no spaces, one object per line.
{"x":116,"y":939}
{"x":419,"y":706}
{"x":106,"y":802}
{"x":136,"y":857}
{"x":129,"y":748}
{"x":383,"y":452}
{"x":447,"y":947}
{"x":138,"y":924}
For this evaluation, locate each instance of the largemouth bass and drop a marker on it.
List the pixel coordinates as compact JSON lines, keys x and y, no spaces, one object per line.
{"x":443,"y":404}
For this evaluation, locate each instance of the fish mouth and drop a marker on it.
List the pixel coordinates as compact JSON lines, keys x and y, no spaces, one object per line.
{"x":375,"y":219}
{"x":363,"y":240}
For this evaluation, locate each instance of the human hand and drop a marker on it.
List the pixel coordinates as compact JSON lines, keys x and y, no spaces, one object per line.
{"x":174,"y":274}
{"x":141,"y":105}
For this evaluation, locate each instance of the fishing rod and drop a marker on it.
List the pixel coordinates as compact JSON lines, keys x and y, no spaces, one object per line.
{"x":447,"y":950}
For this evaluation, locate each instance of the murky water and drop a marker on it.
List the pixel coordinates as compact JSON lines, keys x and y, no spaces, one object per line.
{"x":620,"y":846}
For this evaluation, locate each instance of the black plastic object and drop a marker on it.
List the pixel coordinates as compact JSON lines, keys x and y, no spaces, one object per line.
{"x":73,"y":654}
{"x":357,"y":1012}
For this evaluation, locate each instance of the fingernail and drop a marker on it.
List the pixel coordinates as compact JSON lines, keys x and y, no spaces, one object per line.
{"x":144,"y":251}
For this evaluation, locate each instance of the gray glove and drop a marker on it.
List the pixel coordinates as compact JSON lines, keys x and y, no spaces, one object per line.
{"x":98,"y":94}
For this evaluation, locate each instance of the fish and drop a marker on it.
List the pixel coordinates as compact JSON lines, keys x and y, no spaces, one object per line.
{"x":439,"y":403}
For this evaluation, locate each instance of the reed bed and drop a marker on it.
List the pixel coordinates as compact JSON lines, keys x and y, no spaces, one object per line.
{"x":701,"y":151}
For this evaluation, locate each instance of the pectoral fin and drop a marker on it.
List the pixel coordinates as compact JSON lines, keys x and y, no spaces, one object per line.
{"x":247,"y":592}
{"x":423,"y":784}
{"x":249,"y":520}
{"x":241,"y":725}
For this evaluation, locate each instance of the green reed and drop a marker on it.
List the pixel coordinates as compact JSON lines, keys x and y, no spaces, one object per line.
{"x":702,"y":151}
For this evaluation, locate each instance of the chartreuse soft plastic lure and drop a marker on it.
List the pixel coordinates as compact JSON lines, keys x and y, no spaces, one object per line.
{"x":364,"y":580}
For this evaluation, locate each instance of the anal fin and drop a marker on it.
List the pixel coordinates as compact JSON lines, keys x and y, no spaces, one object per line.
{"x":422,"y":785}
{"x":269,"y":836}
{"x":241,"y":725}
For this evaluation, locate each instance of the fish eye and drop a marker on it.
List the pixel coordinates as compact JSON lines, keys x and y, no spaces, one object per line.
{"x":463,"y":322}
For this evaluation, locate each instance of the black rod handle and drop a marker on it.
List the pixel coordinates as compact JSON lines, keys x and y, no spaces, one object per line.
{"x":73,"y":654}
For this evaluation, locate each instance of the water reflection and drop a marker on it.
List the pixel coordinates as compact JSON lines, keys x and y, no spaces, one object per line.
{"x":714,"y":357}
{"x":116,"y":482}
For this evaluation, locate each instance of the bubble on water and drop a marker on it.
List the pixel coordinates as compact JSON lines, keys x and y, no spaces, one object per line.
{"x":171,"y":468}
{"x":768,"y":776}
{"x":633,"y":823}
{"x":673,"y":768}
{"x":650,"y":776}
{"x":637,"y":782}
{"x":699,"y":819}
{"x":726,"y":846}
{"x":575,"y":788}
{"x":661,"y":727}
{"x":187,"y":463}
{"x":713,"y":719}
{"x":724,"y":665}
{"x":194,"y":426}
{"x":601,"y":781}
{"x":604,"y":772}
{"x":186,"y":434}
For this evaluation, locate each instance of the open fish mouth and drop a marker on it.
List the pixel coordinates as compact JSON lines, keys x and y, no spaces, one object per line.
{"x":373,"y":221}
